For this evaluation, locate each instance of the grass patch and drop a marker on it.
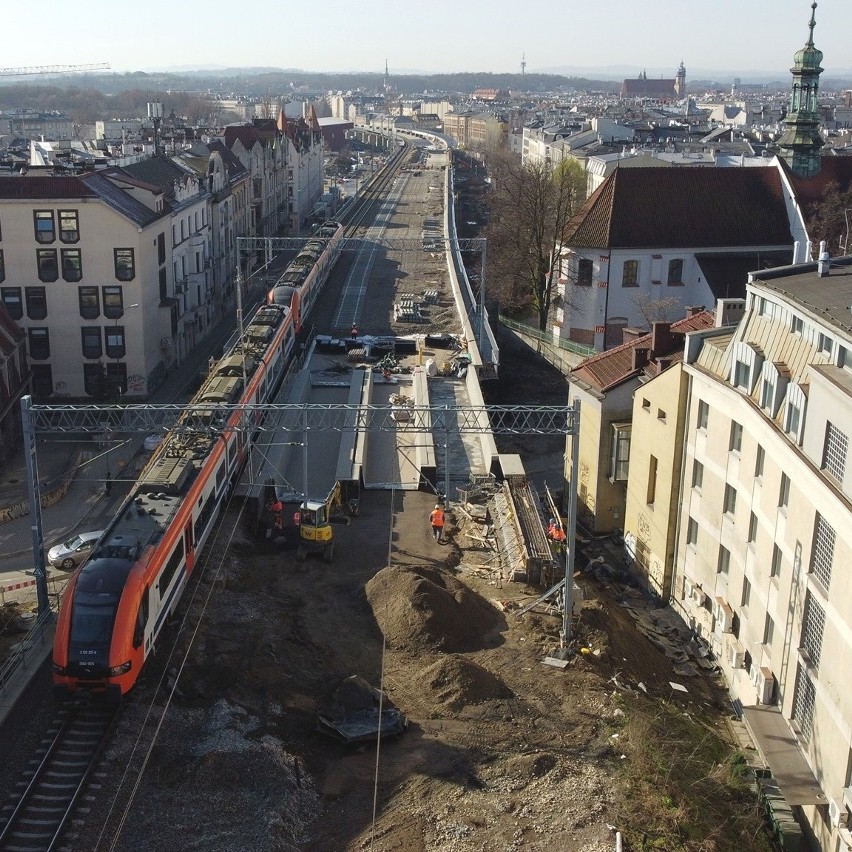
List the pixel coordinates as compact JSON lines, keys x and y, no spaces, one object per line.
{"x":684,"y":788}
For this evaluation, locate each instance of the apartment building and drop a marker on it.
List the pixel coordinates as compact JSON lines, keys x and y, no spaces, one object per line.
{"x":762,"y":550}
{"x":305,"y":167}
{"x":82,"y":261}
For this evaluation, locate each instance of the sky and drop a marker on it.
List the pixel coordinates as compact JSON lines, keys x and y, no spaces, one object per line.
{"x":431,"y":36}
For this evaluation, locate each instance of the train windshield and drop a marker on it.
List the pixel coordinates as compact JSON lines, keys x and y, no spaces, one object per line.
{"x":91,"y":624}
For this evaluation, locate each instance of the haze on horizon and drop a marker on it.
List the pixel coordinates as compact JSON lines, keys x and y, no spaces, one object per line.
{"x":435,"y":36}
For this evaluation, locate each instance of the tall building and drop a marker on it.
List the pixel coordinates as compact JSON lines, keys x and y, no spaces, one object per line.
{"x":801,"y":141}
{"x":762,"y":552}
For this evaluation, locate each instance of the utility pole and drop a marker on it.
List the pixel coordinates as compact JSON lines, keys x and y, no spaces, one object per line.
{"x":34,"y":495}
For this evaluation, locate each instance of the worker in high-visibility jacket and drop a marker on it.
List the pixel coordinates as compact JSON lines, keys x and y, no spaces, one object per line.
{"x":436,"y":519}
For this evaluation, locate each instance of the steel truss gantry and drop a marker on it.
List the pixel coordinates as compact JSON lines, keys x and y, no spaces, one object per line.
{"x":146,"y":418}
{"x":277,"y":245}
{"x":206,"y":420}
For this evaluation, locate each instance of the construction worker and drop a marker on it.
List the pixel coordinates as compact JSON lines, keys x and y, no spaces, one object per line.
{"x":436,"y":519}
{"x":354,"y":331}
{"x":556,"y":534}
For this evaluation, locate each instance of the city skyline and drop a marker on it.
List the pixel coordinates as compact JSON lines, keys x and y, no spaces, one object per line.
{"x":441,"y":37}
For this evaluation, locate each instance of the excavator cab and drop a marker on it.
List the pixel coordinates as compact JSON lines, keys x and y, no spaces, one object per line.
{"x":315,"y":531}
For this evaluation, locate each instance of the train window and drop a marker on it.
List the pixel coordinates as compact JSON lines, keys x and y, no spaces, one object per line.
{"x":220,"y":477}
{"x":231,"y":451}
{"x":171,"y":567}
{"x":141,"y":619}
{"x":204,"y":517}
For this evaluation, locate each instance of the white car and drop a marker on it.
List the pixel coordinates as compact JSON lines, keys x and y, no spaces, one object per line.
{"x":71,"y":553}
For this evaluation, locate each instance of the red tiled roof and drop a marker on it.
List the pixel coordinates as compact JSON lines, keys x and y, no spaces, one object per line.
{"x":646,"y":208}
{"x":611,"y":368}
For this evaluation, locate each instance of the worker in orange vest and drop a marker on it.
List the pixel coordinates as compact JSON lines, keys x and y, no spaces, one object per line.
{"x":436,"y":519}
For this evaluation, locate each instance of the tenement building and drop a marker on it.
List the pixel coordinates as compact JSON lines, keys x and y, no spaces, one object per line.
{"x":763,"y":553}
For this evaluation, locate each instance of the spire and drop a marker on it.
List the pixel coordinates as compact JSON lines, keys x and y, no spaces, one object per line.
{"x":801,"y":141}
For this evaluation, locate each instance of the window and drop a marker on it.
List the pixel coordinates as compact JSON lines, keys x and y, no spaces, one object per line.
{"x":94,"y":380}
{"x":652,"y":480}
{"x":113,"y":302}
{"x":619,"y":451}
{"x":116,"y":374}
{"x":2,"y":266}
{"x":45,"y":227}
{"x":161,"y":249}
{"x":813,"y":626}
{"x":822,"y":554}
{"x":661,"y":415}
{"x":630,"y":274}
{"x":741,"y":375}
{"x":36,"y":302}
{"x":784,"y":492}
{"x":692,"y":532}
{"x":793,"y":418}
{"x":803,"y":705}
{"x":125,"y":265}
{"x":735,"y":444}
{"x":90,"y":307}
{"x":585,"y":271}
{"x":834,"y":454}
{"x":47,"y":267}
{"x":768,"y":630}
{"x":115,"y":347}
{"x":697,"y":474}
{"x":675,"y":278}
{"x":824,"y":344}
{"x":746,"y":595}
{"x":69,"y":226}
{"x":766,"y":395}
{"x":724,"y":563}
{"x":760,"y":461}
{"x":703,"y":414}
{"x":39,"y":340}
{"x":163,"y":281}
{"x":92,"y":342}
{"x":797,"y":325}
{"x":42,"y":380}
{"x":646,"y":404}
{"x":72,"y":264}
{"x":11,"y":297}
{"x":775,"y":565}
{"x":752,"y":528}
{"x":730,"y":504}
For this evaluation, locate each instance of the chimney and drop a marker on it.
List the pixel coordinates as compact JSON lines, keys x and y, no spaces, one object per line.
{"x":662,"y":339}
{"x":692,"y":310}
{"x":640,"y":357}
{"x":824,"y":262}
{"x":629,"y":334}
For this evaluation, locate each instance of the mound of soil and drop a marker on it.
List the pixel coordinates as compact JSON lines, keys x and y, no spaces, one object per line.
{"x":418,"y":609}
{"x":455,"y":682}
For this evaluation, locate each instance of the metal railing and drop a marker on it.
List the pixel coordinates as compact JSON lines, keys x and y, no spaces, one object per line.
{"x":17,"y":658}
{"x":544,"y":337}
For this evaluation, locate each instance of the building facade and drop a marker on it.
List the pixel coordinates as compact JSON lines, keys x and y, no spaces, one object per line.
{"x":762,"y":551}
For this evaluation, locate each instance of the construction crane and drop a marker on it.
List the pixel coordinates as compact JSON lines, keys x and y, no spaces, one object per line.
{"x":52,"y":69}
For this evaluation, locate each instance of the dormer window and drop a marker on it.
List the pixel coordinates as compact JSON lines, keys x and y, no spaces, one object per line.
{"x":794,"y":412}
{"x":747,"y":363}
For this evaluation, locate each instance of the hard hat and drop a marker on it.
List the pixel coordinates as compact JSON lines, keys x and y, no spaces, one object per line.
{"x":437,"y":505}
{"x":553,"y":520}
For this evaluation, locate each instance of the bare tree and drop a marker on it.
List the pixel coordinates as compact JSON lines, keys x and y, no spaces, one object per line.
{"x":530,"y":207}
{"x":657,"y":310}
{"x":830,"y":218}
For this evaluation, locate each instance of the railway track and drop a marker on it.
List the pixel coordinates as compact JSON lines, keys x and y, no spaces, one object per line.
{"x":45,"y":799}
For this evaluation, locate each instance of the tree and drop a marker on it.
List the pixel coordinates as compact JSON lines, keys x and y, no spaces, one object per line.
{"x":657,"y":310}
{"x":829,"y":219}
{"x":530,"y":207}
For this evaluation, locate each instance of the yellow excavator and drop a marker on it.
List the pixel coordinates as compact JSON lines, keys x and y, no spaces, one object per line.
{"x":316,"y":534}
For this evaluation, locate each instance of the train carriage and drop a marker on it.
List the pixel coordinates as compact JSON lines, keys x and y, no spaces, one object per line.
{"x":116,"y":603}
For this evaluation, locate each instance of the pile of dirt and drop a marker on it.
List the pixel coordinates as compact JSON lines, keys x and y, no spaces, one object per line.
{"x":456,"y":682}
{"x":418,"y":609}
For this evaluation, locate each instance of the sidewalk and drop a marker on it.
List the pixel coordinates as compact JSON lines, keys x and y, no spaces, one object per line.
{"x":86,"y":505}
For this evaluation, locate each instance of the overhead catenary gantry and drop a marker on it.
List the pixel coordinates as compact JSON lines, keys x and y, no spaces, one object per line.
{"x":144,"y":418}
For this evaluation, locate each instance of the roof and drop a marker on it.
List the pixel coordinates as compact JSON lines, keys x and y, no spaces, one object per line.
{"x":811,"y":190}
{"x":726,"y":273}
{"x":121,"y":201}
{"x":683,"y":208}
{"x":828,"y":298}
{"x":649,"y":88}
{"x":233,"y":164}
{"x":609,"y":369}
{"x":47,"y":187}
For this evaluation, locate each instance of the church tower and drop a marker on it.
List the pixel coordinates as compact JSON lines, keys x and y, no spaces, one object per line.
{"x":801,"y":142}
{"x":680,"y":81}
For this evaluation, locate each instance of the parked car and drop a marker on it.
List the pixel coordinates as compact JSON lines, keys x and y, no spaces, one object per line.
{"x":69,"y":554}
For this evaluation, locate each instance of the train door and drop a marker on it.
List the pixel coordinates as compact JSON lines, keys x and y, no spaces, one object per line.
{"x":143,"y":631}
{"x":189,"y":546}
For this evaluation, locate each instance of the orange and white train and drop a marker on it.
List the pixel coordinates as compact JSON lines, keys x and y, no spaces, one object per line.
{"x":117,"y":602}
